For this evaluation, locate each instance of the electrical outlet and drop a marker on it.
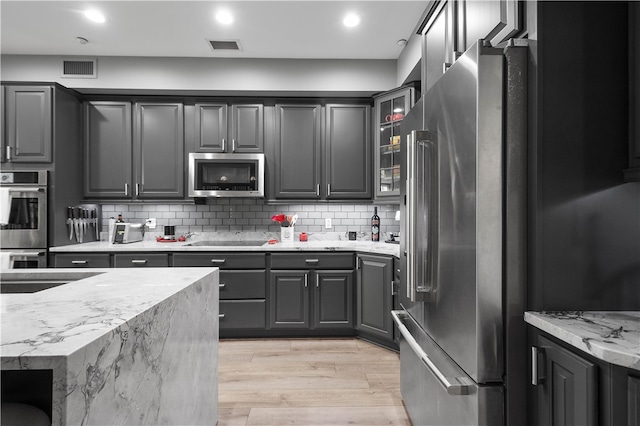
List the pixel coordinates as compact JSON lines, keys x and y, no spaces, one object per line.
{"x":327,"y":223}
{"x":151,"y":223}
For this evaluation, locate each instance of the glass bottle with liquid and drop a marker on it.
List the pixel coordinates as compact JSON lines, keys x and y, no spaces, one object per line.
{"x":375,"y":225}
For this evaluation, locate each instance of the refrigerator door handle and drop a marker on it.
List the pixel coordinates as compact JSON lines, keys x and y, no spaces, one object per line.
{"x":453,"y":385}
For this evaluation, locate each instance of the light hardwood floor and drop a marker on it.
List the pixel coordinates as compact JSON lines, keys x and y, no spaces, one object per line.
{"x":309,"y":382}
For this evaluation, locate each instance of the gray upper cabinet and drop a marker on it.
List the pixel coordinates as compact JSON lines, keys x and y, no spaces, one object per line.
{"x":322,"y":152}
{"x":28,"y":136}
{"x":438,"y":43}
{"x":247,"y":128}
{"x":452,"y":27}
{"x":297,"y":151}
{"x":494,"y":21}
{"x":134,"y":158}
{"x":108,"y":149}
{"x":390,"y":109}
{"x":348,"y":151}
{"x":159,"y":150}
{"x":211,"y":127}
{"x":243,"y":133}
{"x":632,"y":173}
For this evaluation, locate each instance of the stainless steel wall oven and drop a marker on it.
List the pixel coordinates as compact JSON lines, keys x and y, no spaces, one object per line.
{"x":23,"y":218}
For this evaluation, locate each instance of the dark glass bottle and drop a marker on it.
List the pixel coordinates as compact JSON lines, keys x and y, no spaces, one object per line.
{"x":375,"y":225}
{"x":120,"y":220}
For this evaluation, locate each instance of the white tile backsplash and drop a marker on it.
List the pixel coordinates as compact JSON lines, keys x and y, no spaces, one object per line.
{"x":254,"y":215}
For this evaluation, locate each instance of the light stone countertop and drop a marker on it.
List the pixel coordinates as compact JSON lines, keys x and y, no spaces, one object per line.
{"x":611,"y":336}
{"x":317,"y":242}
{"x":118,"y":342}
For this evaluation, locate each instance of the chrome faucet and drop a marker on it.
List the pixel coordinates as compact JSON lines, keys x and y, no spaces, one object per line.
{"x":189,"y":235}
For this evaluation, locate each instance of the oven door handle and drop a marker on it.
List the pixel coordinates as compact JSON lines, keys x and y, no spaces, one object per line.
{"x":26,"y":254}
{"x":453,"y":385}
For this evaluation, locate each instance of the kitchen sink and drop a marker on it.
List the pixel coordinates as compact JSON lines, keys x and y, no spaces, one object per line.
{"x":226,"y":243}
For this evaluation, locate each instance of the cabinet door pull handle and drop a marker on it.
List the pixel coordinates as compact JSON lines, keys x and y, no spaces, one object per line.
{"x":79,"y":262}
{"x":224,"y":145}
{"x":220,"y":316}
{"x":328,"y":190}
{"x":126,"y":189}
{"x":8,"y":153}
{"x":233,"y":145}
{"x":306,"y":280}
{"x":218,"y":261}
{"x":139,"y":261}
{"x":316,"y":261}
{"x":535,"y":377}
{"x":317,"y":190}
{"x":317,"y":281}
{"x":393,"y":288}
{"x":222,"y":285}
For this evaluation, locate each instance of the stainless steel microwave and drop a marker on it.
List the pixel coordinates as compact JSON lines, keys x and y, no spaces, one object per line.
{"x":226,"y":175}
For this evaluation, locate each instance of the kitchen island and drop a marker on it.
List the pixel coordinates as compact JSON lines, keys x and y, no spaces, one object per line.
{"x":113,"y":346}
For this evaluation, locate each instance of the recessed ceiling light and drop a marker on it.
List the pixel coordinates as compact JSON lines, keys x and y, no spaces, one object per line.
{"x":95,"y":16}
{"x":224,"y":17}
{"x":351,"y":20}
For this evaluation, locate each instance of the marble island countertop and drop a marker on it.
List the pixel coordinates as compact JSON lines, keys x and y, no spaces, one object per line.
{"x":317,"y":242}
{"x":125,"y":346}
{"x":610,"y":336}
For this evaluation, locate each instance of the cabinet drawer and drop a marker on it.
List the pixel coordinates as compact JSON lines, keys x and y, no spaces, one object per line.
{"x":311,"y":261}
{"x":243,"y":284}
{"x":141,"y":260}
{"x":221,"y":260}
{"x":242,"y":314}
{"x":82,"y":261}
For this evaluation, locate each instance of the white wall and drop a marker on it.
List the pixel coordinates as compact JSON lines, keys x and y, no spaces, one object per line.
{"x":215,"y":75}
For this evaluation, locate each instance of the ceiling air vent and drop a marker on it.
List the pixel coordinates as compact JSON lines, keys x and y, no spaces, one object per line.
{"x":226,"y":45}
{"x":74,"y":68}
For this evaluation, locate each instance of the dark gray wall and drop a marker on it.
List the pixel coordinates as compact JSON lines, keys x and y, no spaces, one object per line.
{"x":584,"y":224}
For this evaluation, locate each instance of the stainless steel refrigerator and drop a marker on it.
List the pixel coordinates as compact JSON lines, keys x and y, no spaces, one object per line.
{"x":463,"y":344}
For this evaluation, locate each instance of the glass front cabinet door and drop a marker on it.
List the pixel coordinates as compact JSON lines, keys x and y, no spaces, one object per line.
{"x":390,"y":108}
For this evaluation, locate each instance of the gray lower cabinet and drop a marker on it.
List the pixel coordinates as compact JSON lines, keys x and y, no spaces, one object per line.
{"x":375,"y":296}
{"x":242,"y":286}
{"x":566,"y":390}
{"x":309,"y":294}
{"x":141,"y":260}
{"x":134,"y":151}
{"x":82,"y":260}
{"x":28,"y":111}
{"x":570,"y":387}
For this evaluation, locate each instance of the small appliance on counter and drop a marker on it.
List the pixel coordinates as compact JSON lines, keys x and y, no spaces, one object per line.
{"x":128,"y":233}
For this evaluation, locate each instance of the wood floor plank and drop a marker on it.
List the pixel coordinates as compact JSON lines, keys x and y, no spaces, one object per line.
{"x":338,"y":357}
{"x":249,"y":381}
{"x":384,"y":381}
{"x":329,"y":381}
{"x":233,"y":416}
{"x":324,"y":345}
{"x":294,"y":368}
{"x":310,"y":398}
{"x":319,"y":416}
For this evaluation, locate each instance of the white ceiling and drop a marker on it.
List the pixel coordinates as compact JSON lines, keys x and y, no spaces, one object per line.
{"x":264,"y":29}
